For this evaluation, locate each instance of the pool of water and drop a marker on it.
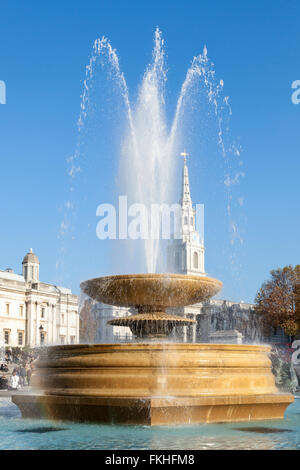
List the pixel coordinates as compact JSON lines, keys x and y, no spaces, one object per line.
{"x":18,"y":433}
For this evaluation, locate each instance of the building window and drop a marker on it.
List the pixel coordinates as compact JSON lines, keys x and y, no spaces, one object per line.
{"x":62,"y":319}
{"x":72,"y":339}
{"x":185,"y":220}
{"x":21,"y":310}
{"x":177,"y":260}
{"x":6,"y":337}
{"x":62,"y":339}
{"x":192,"y":220}
{"x":196,"y":260}
{"x":7,"y":309}
{"x":43,"y":312}
{"x":20,"y":338}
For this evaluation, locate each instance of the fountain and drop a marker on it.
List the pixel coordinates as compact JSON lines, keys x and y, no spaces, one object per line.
{"x":153,"y":381}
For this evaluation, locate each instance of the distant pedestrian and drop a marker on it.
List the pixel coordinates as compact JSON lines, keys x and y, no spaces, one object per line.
{"x":14,"y":381}
{"x":22,"y":375}
{"x":8,"y":357}
{"x":28,"y":374}
{"x":3,"y":383}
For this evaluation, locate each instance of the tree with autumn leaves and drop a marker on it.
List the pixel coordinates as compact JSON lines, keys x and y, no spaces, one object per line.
{"x":278,"y":301}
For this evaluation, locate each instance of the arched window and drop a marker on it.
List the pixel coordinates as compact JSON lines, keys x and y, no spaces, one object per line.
{"x":196,"y":260}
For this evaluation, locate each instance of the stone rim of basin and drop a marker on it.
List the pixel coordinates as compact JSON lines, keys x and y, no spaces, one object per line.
{"x":151,"y":290}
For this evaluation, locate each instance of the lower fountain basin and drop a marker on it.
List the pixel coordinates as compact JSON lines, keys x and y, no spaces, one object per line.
{"x":160,"y":383}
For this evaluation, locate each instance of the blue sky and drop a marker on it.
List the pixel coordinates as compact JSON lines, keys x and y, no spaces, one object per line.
{"x":44,"y":47}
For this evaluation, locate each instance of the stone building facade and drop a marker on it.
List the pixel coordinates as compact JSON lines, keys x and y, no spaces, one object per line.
{"x":99,"y":314}
{"x":34,"y":313}
{"x":220,"y":315}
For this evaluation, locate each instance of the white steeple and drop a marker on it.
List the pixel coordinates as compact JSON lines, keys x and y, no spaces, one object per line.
{"x":187,"y":212}
{"x":186,"y":255}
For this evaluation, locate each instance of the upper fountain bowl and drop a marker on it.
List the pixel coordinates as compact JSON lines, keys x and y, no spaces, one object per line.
{"x":151,"y":290}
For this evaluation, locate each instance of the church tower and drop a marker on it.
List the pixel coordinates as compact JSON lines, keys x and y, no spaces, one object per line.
{"x":186,"y":253}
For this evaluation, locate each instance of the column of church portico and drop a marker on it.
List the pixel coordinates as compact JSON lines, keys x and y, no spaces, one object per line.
{"x":29,"y":341}
{"x":68,"y":326}
{"x":53,"y":339}
{"x":37,"y":342}
{"x":68,"y":314}
{"x":67,"y":320}
{"x":46,"y":325}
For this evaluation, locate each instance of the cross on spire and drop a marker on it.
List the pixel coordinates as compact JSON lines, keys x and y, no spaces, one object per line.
{"x":184,"y":154}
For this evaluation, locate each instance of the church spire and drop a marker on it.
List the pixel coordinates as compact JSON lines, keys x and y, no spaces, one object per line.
{"x":185,"y":193}
{"x":186,"y":251}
